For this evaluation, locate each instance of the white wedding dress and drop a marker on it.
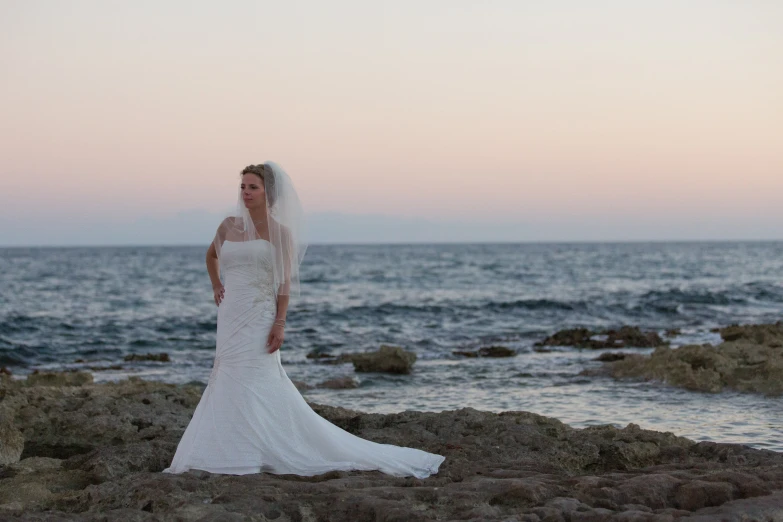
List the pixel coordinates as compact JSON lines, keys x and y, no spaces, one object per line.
{"x":251,"y":418}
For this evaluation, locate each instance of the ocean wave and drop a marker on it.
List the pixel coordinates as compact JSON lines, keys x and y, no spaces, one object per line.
{"x":451,"y":307}
{"x":536,"y":304}
{"x":699,"y":297}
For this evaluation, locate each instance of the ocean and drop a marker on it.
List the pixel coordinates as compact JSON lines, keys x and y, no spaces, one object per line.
{"x":79,"y":307}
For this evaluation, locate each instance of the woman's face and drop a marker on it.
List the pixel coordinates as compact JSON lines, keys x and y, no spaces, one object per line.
{"x":253,"y":191}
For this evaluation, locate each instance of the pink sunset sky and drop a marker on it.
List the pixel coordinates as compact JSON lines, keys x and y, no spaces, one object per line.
{"x":558,"y":120}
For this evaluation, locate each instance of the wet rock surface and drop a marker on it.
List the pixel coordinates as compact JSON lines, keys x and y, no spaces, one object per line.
{"x":625,"y":337}
{"x":159,"y":357}
{"x":339,"y":383}
{"x":95,"y":452}
{"x":750,"y":359}
{"x":611,"y":356}
{"x":487,"y":351}
{"x":388,"y":359}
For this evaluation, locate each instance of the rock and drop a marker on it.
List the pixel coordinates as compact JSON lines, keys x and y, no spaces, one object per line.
{"x":632,"y":336}
{"x":36,"y":464}
{"x":750,"y":360}
{"x":699,"y":494}
{"x":339,"y":383}
{"x":327,"y":358}
{"x":60,"y":422}
{"x":496,"y":351}
{"x":611,"y":356}
{"x":767,"y":508}
{"x":625,"y":337}
{"x":488,"y":351}
{"x":570,"y":337}
{"x":11,"y":439}
{"x":95,"y":452}
{"x":160,"y":357}
{"x":32,"y":485}
{"x":566,"y":504}
{"x":111,"y":462}
{"x":465,"y":353}
{"x":6,"y":381}
{"x":389,"y":359}
{"x":5,"y":370}
{"x":301,"y":385}
{"x":24,"y":493}
{"x":74,"y":378}
{"x":653,"y":490}
{"x":758,"y":334}
{"x":318,"y":354}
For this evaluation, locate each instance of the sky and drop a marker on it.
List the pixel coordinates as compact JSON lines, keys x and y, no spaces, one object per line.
{"x":439,"y":120}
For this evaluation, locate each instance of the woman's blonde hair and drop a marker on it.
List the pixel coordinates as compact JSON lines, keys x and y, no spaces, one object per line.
{"x":267,"y":178}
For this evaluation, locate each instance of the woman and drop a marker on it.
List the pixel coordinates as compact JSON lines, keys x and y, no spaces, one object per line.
{"x":251,"y":418}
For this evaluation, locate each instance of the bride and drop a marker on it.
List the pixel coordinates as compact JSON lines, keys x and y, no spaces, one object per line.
{"x":251,"y":418}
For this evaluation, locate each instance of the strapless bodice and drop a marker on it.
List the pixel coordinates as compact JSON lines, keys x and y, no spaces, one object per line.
{"x":247,"y":270}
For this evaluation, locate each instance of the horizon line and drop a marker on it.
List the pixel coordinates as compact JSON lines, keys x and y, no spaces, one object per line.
{"x":416,"y":243}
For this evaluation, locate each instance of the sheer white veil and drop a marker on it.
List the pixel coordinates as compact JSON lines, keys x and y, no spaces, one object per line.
{"x":284,"y":227}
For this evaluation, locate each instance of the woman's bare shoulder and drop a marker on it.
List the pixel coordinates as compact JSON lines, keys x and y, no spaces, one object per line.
{"x":230,"y":221}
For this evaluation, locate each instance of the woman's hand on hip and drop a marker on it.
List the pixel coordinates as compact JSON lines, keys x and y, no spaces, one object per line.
{"x":218,"y":291}
{"x":275,"y":340}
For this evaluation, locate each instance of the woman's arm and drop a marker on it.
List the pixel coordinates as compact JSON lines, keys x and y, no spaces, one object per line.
{"x":285,"y":287}
{"x":277,"y":333}
{"x":213,"y":269}
{"x":282,"y":307}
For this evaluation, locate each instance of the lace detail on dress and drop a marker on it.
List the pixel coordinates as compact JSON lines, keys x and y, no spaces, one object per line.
{"x":264,"y":282}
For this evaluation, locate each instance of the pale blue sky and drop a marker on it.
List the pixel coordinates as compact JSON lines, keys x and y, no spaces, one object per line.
{"x":126,"y":122}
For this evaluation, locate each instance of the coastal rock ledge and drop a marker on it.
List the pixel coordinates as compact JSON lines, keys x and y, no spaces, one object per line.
{"x":750,"y":359}
{"x":95,"y":452}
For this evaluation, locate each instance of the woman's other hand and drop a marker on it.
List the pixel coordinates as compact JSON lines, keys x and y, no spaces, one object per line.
{"x":275,"y":340}
{"x":218,"y":290}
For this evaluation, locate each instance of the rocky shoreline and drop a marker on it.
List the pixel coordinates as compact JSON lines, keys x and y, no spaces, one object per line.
{"x":71,"y":449}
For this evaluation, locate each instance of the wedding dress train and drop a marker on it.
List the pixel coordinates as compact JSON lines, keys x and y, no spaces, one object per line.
{"x":251,"y":418}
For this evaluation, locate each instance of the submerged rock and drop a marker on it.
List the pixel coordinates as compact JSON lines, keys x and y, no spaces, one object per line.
{"x":625,"y":337}
{"x":612,"y":356}
{"x":749,"y":360}
{"x":328,"y":358}
{"x":569,"y":337}
{"x":487,"y":351}
{"x":160,"y":357}
{"x":339,"y":383}
{"x":465,"y":353}
{"x":95,"y":452}
{"x":317,"y":355}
